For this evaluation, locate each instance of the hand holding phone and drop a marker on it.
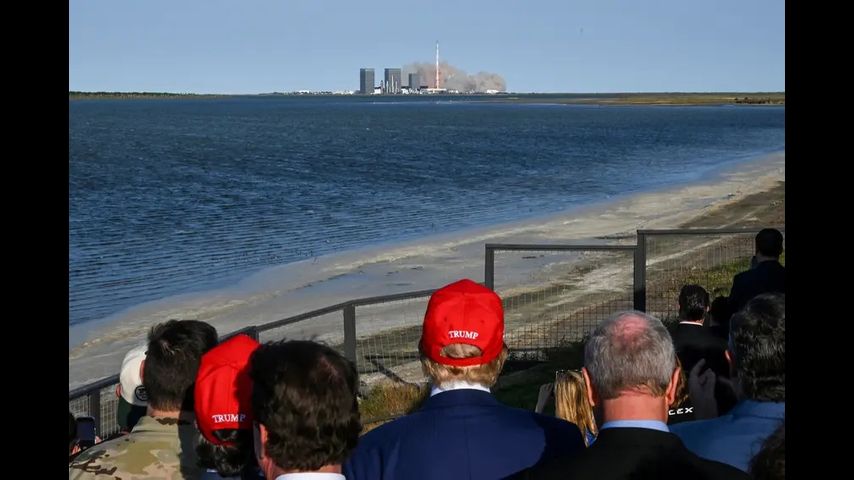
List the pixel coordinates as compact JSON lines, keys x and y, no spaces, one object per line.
{"x":546,"y":391}
{"x":85,"y":432}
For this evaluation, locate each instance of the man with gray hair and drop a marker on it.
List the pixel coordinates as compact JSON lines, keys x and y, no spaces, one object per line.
{"x":631,"y":376}
{"x":757,"y":355}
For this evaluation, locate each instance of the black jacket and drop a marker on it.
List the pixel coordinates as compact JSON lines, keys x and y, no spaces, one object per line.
{"x":766,"y":277}
{"x":694,"y":342}
{"x":633,"y":453}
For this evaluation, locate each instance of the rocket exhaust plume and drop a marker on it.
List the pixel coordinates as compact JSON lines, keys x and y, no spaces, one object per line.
{"x":443,"y":75}
{"x":437,"y":65}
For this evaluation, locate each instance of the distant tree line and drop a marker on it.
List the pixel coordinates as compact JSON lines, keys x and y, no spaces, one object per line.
{"x":77,"y":94}
{"x":760,"y":100}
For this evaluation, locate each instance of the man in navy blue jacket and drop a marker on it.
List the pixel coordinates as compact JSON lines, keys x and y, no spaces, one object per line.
{"x":766,"y":275}
{"x":462,"y":431}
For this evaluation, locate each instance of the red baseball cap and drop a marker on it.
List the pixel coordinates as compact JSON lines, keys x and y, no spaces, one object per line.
{"x":463,"y":312}
{"x":223,"y":391}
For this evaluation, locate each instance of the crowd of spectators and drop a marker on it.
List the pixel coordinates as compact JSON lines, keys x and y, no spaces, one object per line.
{"x":647,"y":403}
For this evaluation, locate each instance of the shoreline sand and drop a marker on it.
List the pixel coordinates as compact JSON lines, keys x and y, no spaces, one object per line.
{"x":426,"y":263}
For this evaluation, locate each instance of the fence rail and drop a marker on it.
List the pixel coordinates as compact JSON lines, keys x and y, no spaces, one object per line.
{"x":379,"y":334}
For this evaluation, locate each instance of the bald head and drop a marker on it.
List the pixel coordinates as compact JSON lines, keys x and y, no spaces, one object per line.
{"x":630,"y":351}
{"x":629,"y":327}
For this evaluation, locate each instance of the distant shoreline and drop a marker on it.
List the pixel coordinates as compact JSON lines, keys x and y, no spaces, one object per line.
{"x":667,"y":98}
{"x":132,"y":95}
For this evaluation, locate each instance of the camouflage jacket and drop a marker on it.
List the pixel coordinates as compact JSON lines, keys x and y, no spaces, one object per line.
{"x":155,"y":448}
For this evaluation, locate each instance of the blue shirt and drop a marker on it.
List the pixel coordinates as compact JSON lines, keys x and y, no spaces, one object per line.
{"x":590,"y":438}
{"x":733,"y":438}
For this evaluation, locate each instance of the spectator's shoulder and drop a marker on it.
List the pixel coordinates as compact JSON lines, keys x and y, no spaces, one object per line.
{"x":554,"y":422}
{"x":715,"y":469}
{"x":558,"y":430}
{"x":406,"y":424}
{"x":540,"y":419}
{"x":555,"y":467}
{"x":694,"y":427}
{"x":741,"y":276}
{"x":133,"y":457}
{"x":98,"y":459}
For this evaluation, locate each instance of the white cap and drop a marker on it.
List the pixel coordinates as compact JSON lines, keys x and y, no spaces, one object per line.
{"x":132,"y":390}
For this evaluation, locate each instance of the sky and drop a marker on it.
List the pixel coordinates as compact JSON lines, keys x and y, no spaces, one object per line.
{"x":575,"y":46}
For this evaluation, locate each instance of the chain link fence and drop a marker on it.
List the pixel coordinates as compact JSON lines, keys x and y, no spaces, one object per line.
{"x":553,"y":295}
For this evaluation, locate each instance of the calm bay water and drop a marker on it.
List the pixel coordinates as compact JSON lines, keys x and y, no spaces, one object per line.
{"x":174,"y":196}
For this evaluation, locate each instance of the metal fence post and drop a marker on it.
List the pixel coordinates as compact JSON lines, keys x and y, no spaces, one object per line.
{"x":95,"y":408}
{"x":253,"y":332}
{"x":350,"y":331}
{"x":489,"y":267}
{"x":640,"y":273}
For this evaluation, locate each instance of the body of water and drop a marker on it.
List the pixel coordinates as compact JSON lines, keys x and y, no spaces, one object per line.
{"x":179,"y":195}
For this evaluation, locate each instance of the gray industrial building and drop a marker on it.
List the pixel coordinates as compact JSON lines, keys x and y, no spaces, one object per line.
{"x":392,"y":80}
{"x":366,"y":80}
{"x":414,"y":82}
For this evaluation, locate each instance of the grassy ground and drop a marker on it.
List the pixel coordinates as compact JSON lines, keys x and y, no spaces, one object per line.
{"x":519,"y":383}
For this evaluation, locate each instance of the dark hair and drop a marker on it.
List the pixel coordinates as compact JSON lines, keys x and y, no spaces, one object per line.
{"x":175,"y":349}
{"x":758,"y":346}
{"x":769,"y":463}
{"x":229,"y":460}
{"x":304,"y":394}
{"x":720,"y":312}
{"x":769,"y":242}
{"x":693,"y":301}
{"x":72,"y":428}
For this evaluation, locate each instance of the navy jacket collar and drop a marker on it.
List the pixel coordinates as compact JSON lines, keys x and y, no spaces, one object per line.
{"x":453,"y":398}
{"x":769,"y":265}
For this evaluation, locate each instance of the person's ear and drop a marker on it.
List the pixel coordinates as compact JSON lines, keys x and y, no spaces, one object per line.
{"x":141,"y":368}
{"x":264,"y":434}
{"x":592,"y":395}
{"x":673,"y":386}
{"x":259,"y":436}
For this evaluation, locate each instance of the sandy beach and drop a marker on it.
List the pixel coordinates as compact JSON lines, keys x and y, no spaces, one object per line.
{"x":96,"y":349}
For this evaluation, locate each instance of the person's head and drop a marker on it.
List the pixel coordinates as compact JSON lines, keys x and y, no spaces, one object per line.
{"x":304,"y":401}
{"x":462,"y":337}
{"x":769,"y":243}
{"x":571,"y":402}
{"x":133,"y":398}
{"x":172,"y":361}
{"x":693,"y":303}
{"x":757,"y":348}
{"x":769,"y":463}
{"x":232,"y":456}
{"x":719,"y":311}
{"x":72,"y":431}
{"x":630,"y":360}
{"x":223,"y":406}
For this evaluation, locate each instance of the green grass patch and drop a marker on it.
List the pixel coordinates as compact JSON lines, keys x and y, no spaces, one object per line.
{"x":391,"y":399}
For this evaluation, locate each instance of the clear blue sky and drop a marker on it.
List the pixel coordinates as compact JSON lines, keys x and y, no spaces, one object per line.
{"x":217,"y":46}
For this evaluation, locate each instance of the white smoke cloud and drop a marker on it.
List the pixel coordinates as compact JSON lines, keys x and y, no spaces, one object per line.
{"x":453,"y":78}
